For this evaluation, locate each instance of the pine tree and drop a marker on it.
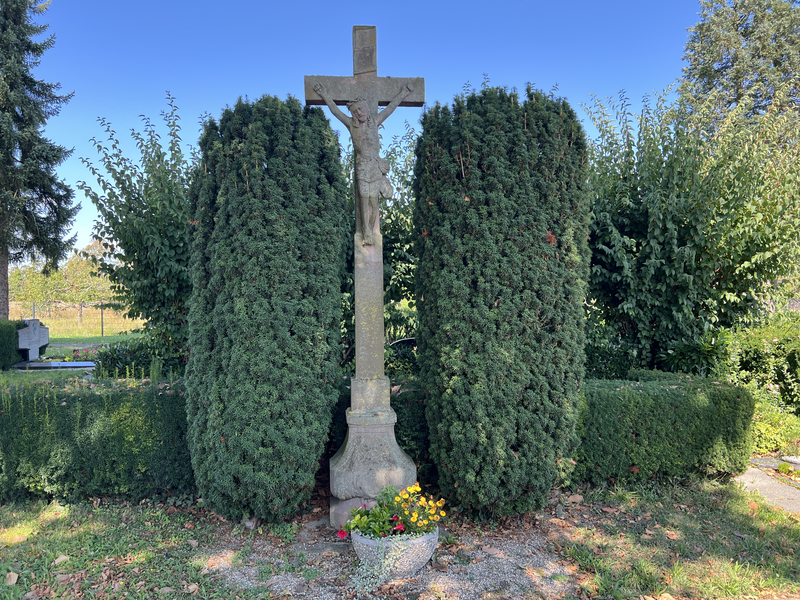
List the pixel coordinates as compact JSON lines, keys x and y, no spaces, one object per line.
{"x":268,"y":205}
{"x":501,"y":221}
{"x":36,"y":209}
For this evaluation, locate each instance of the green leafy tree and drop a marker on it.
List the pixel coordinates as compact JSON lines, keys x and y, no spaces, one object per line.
{"x":269,"y":207}
{"x":36,"y":209}
{"x":500,"y":222}
{"x":743,"y":48}
{"x":144,"y":231}
{"x":691,"y":229}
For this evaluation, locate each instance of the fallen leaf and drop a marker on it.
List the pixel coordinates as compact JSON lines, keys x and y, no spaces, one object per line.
{"x":648,"y":532}
{"x":575,"y":499}
{"x":606,"y":509}
{"x":11,"y":578}
{"x":438,"y":567}
{"x":62,"y":578}
{"x":491,"y":551}
{"x":647,"y":537}
{"x":753,"y":506}
{"x":740,"y":535}
{"x":62,"y":558}
{"x":189,"y":525}
{"x":672,"y":535}
{"x":194,"y":588}
{"x":166,"y":590}
{"x":193,"y":543}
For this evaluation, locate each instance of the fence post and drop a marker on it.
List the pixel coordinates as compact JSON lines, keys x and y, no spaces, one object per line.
{"x":33,"y":310}
{"x":101,"y":322}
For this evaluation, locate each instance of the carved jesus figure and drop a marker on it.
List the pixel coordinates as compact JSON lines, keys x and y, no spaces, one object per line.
{"x":371,"y":169}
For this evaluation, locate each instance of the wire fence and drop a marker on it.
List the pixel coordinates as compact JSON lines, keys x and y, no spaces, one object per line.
{"x":74,"y":320}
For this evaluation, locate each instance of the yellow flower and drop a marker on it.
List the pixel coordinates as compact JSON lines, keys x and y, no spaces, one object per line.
{"x":440,"y":502}
{"x":415,"y":514}
{"x":404,"y":505}
{"x":435,"y":517}
{"x":414,"y":519}
{"x":425,"y":522}
{"x":404,"y":496}
{"x":423,"y":502}
{"x":441,"y":512}
{"x":403,"y":491}
{"x":406,"y":512}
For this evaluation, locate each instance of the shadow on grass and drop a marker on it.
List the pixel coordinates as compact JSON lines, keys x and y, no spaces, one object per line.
{"x":701,"y":539}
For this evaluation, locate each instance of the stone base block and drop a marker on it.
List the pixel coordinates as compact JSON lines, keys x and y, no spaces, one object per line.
{"x":370,"y":458}
{"x":340,"y":509}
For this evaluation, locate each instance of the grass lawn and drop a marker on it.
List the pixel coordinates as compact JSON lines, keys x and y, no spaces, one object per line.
{"x":704,"y":539}
{"x":698,"y":540}
{"x":81,"y":341}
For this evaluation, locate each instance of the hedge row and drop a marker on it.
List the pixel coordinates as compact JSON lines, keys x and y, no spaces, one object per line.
{"x":632,"y":431}
{"x":9,"y":343}
{"x":131,"y":441}
{"x":88,"y":440}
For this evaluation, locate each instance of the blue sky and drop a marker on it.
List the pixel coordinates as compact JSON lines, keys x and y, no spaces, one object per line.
{"x":121,"y":58}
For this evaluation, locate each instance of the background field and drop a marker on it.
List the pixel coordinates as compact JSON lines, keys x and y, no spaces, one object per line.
{"x":71,"y":321}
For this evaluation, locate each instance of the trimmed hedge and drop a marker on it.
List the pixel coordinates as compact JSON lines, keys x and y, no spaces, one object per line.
{"x":501,"y":222}
{"x":90,"y":440}
{"x":632,"y":431}
{"x":9,"y":343}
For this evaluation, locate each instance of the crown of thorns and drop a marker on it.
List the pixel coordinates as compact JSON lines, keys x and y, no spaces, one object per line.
{"x":356,"y":101}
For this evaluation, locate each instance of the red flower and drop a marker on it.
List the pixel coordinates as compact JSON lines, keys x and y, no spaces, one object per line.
{"x":394,"y":518}
{"x":399,"y":527}
{"x":342,"y":534}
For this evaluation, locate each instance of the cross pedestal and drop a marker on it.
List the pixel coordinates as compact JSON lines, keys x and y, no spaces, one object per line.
{"x":370,"y":458}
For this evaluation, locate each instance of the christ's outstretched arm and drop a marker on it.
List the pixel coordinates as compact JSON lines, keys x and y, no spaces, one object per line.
{"x":323,"y":93}
{"x":401,"y":95}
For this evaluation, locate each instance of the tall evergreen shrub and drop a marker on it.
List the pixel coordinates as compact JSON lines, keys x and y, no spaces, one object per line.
{"x":269,"y":211}
{"x":501,"y":222}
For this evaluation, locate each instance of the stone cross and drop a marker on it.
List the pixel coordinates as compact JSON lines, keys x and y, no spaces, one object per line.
{"x":370,"y":458}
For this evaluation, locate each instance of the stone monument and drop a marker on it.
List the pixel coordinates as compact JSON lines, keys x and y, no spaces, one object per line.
{"x":370,"y":458}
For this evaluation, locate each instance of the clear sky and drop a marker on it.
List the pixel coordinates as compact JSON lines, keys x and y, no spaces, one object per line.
{"x":121,"y":58}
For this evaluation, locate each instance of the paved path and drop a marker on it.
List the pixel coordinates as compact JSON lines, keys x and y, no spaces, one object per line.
{"x":777,"y":493}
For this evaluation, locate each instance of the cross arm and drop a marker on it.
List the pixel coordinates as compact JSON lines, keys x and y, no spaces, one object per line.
{"x":346,"y":89}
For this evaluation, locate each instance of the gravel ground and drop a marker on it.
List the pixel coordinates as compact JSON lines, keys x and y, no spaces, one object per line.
{"x":509,"y":561}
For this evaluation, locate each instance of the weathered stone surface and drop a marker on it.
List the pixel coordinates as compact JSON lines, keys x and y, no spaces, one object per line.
{"x":370,"y":458}
{"x":32,"y":338}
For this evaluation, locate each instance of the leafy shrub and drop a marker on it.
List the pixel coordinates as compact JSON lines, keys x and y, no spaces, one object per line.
{"x":702,"y":355}
{"x":500,"y":226}
{"x":123,"y":358}
{"x":769,"y":354}
{"x":690,"y":230}
{"x":774,"y":425}
{"x":9,"y":343}
{"x":268,"y":204}
{"x":632,"y":431}
{"x":606,"y":361}
{"x":89,"y":439}
{"x":142,"y":208}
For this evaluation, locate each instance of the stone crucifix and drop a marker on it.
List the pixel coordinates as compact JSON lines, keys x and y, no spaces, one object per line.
{"x":370,"y":458}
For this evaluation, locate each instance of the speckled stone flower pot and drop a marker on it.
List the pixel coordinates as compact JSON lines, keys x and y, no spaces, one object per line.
{"x":401,"y":556}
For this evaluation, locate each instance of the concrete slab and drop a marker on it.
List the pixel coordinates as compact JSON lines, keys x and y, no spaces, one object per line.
{"x":44,"y":366}
{"x":777,"y":493}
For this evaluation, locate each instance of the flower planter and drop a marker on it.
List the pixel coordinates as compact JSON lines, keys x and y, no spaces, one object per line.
{"x":401,"y":556}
